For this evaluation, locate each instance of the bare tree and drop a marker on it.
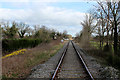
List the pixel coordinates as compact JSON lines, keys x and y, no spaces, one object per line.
{"x":23,"y":28}
{"x":101,"y":27}
{"x":112,"y":16}
{"x":88,"y":28}
{"x":30,"y":32}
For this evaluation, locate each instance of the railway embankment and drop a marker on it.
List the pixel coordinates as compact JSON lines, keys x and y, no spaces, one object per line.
{"x":97,"y":70}
{"x":46,"y":69}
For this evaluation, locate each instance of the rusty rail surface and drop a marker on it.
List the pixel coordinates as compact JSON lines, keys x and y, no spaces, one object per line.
{"x":83,"y":62}
{"x":61,"y":60}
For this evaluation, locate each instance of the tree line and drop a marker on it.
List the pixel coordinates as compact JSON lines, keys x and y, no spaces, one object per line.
{"x":22,"y":30}
{"x":104,"y":22}
{"x":17,"y":35}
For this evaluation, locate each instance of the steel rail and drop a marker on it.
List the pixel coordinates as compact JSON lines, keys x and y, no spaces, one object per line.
{"x":61,"y":59}
{"x":83,"y":61}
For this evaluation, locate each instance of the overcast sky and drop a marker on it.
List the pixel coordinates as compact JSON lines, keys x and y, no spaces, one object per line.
{"x":55,"y":14}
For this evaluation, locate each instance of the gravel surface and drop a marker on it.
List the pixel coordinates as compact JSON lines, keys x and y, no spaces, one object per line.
{"x":72,"y":66}
{"x":97,"y":70}
{"x":45,"y":71}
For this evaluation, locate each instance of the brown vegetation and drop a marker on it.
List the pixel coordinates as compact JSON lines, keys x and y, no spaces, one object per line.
{"x":20,"y":66}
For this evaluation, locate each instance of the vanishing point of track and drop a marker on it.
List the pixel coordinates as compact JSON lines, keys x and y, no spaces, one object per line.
{"x":71,"y":65}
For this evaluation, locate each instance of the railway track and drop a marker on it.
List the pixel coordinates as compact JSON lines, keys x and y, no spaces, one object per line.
{"x":71,"y":65}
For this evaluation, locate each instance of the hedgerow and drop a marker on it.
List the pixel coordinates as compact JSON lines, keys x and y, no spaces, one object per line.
{"x":15,"y":44}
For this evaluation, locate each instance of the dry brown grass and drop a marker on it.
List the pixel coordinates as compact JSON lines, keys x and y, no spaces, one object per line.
{"x":20,"y":66}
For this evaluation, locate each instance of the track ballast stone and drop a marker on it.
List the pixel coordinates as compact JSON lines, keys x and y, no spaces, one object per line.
{"x":97,"y":70}
{"x":71,"y":66}
{"x":45,"y":71}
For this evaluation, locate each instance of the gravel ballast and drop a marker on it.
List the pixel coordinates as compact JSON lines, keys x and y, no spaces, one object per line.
{"x":45,"y":71}
{"x":97,"y":70}
{"x":71,"y":66}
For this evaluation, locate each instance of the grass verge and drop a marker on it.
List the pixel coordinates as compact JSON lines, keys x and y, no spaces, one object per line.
{"x":106,"y":58}
{"x":40,"y":57}
{"x":20,"y":66}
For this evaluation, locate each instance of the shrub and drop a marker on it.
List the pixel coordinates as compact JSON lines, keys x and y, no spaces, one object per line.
{"x":15,"y":53}
{"x":113,"y":60}
{"x":107,"y":48}
{"x":109,"y":58}
{"x":116,"y":61}
{"x":14,"y":44}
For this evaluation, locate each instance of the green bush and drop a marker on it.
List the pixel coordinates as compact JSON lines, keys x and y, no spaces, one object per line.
{"x":14,"y":44}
